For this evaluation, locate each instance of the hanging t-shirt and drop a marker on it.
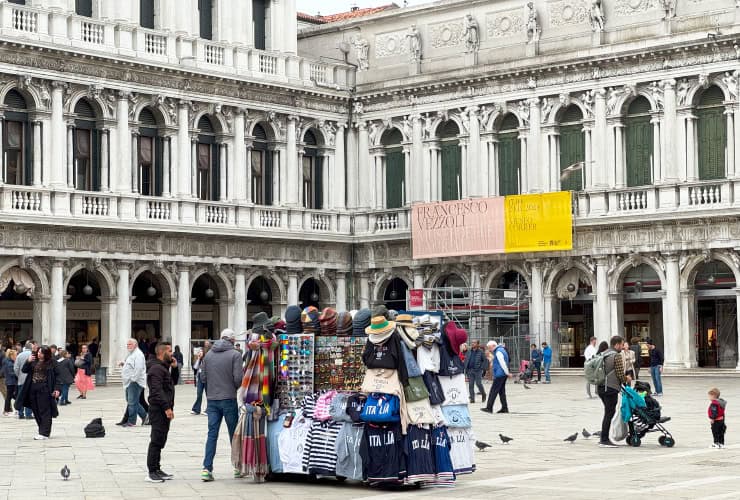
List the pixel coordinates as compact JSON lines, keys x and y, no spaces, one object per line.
{"x":292,"y":443}
{"x":420,"y":412}
{"x":382,"y":452}
{"x":419,"y":455}
{"x":338,"y":408}
{"x":349,"y":461}
{"x":457,"y":416}
{"x":428,"y":358}
{"x":320,"y":455}
{"x":386,"y":355}
{"x":436,"y":394}
{"x":455,"y":390}
{"x":462,"y":451}
{"x":445,"y":472}
{"x":439,"y":417}
{"x":355,"y":404}
{"x":274,"y":429}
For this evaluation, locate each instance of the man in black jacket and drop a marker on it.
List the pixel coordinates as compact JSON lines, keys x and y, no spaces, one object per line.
{"x":161,"y":404}
{"x":475,"y":364}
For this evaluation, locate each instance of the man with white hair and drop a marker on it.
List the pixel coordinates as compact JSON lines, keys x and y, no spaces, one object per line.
{"x":133,"y":377}
{"x":221,"y":373}
{"x":501,"y":373}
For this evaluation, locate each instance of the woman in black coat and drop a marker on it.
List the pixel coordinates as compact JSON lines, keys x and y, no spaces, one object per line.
{"x":64,"y":370}
{"x":40,"y":390}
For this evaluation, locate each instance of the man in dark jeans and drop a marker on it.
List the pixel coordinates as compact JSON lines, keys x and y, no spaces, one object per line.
{"x":536,"y":358}
{"x":609,"y":391}
{"x":500,"y":362}
{"x":160,"y":372}
{"x":475,"y":363}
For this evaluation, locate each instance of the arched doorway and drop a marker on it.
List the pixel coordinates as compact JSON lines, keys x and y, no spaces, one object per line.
{"x":576,"y":317}
{"x":508,"y":311}
{"x":716,"y":316}
{"x":394,"y":296}
{"x":146,"y":308}
{"x":205,"y":311}
{"x":84,"y":311}
{"x":259,"y":298}
{"x":16,"y":307}
{"x":643,"y":307}
{"x":313,"y":292}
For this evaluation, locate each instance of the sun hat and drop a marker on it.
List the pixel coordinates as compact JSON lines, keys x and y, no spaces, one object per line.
{"x":456,"y":336}
{"x":379,"y":325}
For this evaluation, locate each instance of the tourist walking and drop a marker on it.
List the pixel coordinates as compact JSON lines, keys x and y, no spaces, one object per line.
{"x":609,"y":392}
{"x":160,"y":372}
{"x":589,"y":353}
{"x":40,"y":390}
{"x":133,"y":376}
{"x":64,"y":370}
{"x":546,"y":360}
{"x":221,"y":372}
{"x":23,"y":356}
{"x":501,"y":373}
{"x":656,"y":367}
{"x":11,"y":380}
{"x":83,"y":379}
{"x":475,"y":364}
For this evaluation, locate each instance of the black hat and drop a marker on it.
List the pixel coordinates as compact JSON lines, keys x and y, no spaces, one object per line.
{"x":261,"y":322}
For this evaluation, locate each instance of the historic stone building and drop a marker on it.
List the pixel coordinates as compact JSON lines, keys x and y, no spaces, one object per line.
{"x":167,"y":172}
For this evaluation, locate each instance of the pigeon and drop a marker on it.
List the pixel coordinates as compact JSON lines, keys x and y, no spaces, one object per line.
{"x":572,"y":438}
{"x":596,"y":434}
{"x":585,"y":433}
{"x":505,"y":439}
{"x":482,"y":446}
{"x":65,"y":472}
{"x":526,"y":386}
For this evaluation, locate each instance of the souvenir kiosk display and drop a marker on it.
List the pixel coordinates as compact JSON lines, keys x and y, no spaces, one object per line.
{"x":339,"y":352}
{"x":295,"y":360}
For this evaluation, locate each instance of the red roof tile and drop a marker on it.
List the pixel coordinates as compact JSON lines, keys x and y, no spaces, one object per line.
{"x":343,"y":16}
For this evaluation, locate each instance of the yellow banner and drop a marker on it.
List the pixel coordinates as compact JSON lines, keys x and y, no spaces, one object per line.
{"x":538,"y":222}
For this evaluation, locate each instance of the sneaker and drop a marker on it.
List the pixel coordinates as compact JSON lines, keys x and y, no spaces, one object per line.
{"x":192,"y":412}
{"x":720,"y":445}
{"x":486,"y":410}
{"x":164,"y":475}
{"x":39,"y":437}
{"x":153,"y":477}
{"x":608,"y":445}
{"x":206,"y":476}
{"x":715,"y":445}
{"x":503,"y":410}
{"x":238,"y":474}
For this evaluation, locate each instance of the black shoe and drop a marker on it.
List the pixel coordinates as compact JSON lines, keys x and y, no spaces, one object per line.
{"x":122,"y":422}
{"x":164,"y":475}
{"x":472,"y":401}
{"x":21,"y":417}
{"x":146,"y":420}
{"x":486,"y":410}
{"x":153,"y":477}
{"x":503,"y":410}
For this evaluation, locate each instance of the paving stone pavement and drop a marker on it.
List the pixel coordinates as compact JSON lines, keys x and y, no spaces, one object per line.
{"x":537,"y":463}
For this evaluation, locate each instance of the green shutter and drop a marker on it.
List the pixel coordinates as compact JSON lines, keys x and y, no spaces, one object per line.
{"x":451,"y":172}
{"x":639,"y":147}
{"x":509,"y":164}
{"x":712,"y":137}
{"x":205,"y":10}
{"x":572,"y":151}
{"x":394,"y":178}
{"x":318,"y":183}
{"x":258,"y":24}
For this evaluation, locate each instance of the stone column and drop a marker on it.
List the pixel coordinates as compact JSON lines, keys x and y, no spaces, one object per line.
{"x":620,"y":167}
{"x":58,"y":136}
{"x":737,"y":347}
{"x":658,"y":168}
{"x":36,"y":153}
{"x":523,"y":165}
{"x":183,"y":150}
{"x":464,"y":171}
{"x":105,"y":161}
{"x":616,"y":312}
{"x":588,"y":168}
{"x":672,"y":314}
{"x":341,"y":291}
{"x":240,"y":301}
{"x":364,"y":291}
{"x":554,"y":184}
{"x":417,"y":161}
{"x":246,"y":176}
{"x":240,"y":182}
{"x":598,"y":168}
{"x":166,"y":166}
{"x":602,"y":323}
{"x":493,"y":180}
{"x":546,"y":332}
{"x":534,"y":169}
{"x":292,"y":288}
{"x":353,"y":168}
{"x":673,"y":139}
{"x":730,"y":161}
{"x":418,"y":277}
{"x":473,"y":168}
{"x":688,"y":326}
{"x":365,"y":171}
{"x":293,"y":170}
{"x":536,"y":300}
{"x":123,"y":182}
{"x":223,"y":172}
{"x":71,"y":181}
{"x":123,"y":311}
{"x":134,"y":161}
{"x":58,"y":314}
{"x":407,"y":179}
{"x":327,"y":184}
{"x":692,"y":167}
{"x":340,"y":187}
{"x":184,"y":318}
{"x":194,"y":167}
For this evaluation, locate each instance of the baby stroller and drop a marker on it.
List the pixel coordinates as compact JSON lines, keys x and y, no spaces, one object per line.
{"x":646,"y":418}
{"x":525,"y":372}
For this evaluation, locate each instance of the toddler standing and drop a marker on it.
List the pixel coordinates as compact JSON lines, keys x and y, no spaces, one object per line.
{"x":716,"y":414}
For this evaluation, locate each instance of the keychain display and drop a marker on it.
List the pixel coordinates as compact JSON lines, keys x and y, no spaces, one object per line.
{"x":296,"y":369}
{"x":339,"y":363}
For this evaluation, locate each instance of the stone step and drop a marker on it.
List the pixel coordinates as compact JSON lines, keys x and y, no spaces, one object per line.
{"x":674,"y":372}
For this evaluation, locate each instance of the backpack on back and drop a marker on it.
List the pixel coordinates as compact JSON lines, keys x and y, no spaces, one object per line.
{"x":594,"y":369}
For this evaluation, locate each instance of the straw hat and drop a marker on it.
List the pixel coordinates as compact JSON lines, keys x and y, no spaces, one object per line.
{"x":380,"y":326}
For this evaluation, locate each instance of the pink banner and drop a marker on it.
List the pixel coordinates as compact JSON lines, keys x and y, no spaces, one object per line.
{"x":461,"y":227}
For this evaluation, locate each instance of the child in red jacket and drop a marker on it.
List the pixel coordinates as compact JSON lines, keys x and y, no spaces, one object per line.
{"x":716,"y":414}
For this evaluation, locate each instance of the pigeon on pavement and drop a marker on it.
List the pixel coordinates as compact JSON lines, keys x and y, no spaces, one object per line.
{"x":505,"y":439}
{"x":65,"y":472}
{"x":596,"y":434}
{"x":526,"y":386}
{"x":571,"y":439}
{"x":585,"y":433}
{"x":482,"y":446}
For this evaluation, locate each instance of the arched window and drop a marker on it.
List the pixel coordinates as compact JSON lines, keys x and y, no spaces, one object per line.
{"x":639,"y":143}
{"x":711,"y":134}
{"x":150,"y":157}
{"x":207,"y":164}
{"x":509,"y":156}
{"x":261,"y":168}
{"x":146,"y":13}
{"x":86,"y":144}
{"x":17,"y":140}
{"x":395,"y":168}
{"x":451,"y":161}
{"x":312,"y":173}
{"x":205,"y":13}
{"x":572,"y":149}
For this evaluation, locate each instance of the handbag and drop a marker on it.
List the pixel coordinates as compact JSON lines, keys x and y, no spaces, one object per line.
{"x":381,"y":408}
{"x":618,"y":428}
{"x":416,"y":390}
{"x":79,"y":362}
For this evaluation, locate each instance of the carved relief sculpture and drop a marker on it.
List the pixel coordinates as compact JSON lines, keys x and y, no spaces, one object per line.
{"x":533,"y":25}
{"x":669,"y":6}
{"x":472,"y":38}
{"x":598,"y":20}
{"x":414,"y":40}
{"x":362,"y":51}
{"x":682,"y":91}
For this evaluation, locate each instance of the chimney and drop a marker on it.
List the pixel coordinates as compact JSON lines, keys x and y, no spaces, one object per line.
{"x":354,"y":7}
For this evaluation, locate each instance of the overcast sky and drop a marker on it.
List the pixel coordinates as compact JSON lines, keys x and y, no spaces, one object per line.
{"x":335,"y":6}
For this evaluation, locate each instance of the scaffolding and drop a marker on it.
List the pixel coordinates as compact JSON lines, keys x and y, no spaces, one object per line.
{"x":487,"y":314}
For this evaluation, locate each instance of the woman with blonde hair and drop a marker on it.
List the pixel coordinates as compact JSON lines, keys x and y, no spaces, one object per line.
{"x":11,"y":380}
{"x":83,"y":379}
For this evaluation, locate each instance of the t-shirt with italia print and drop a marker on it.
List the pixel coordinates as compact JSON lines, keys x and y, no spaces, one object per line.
{"x":419,"y":454}
{"x":382,"y":452}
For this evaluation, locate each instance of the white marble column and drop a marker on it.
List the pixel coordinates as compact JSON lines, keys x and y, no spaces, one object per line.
{"x":602,"y":323}
{"x":37,"y":153}
{"x":616,"y":312}
{"x":166,"y":166}
{"x":104,"y":161}
{"x":598,"y":168}
{"x":353,"y":167}
{"x":341,"y":295}
{"x":135,"y":161}
{"x":417,"y":161}
{"x":407,"y":179}
{"x":366,"y":181}
{"x":240,"y":184}
{"x":689,"y":326}
{"x":464,"y":172}
{"x":493,"y":180}
{"x":58,"y":137}
{"x":619,"y":163}
{"x":246,"y":176}
{"x":183,"y":164}
{"x":536,"y":175}
{"x":364,"y":291}
{"x":472,"y":169}
{"x":195,"y":192}
{"x":672,"y":314}
{"x":124,"y":167}
{"x":658,"y":167}
{"x":123,"y":312}
{"x":418,"y":277}
{"x":240,"y":301}
{"x":672,"y":145}
{"x":537,"y":300}
{"x":292,"y":288}
{"x":71,"y":181}
{"x":293,"y":168}
{"x":58,"y":314}
{"x":184,"y":318}
{"x":326,"y":181}
{"x":554,"y":161}
{"x":588,"y":168}
{"x":524,"y":164}
{"x":692,"y":165}
{"x":279,"y":186}
{"x":340,"y":175}
{"x":223,"y":171}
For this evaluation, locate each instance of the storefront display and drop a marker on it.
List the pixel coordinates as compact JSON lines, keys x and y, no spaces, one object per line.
{"x":339,"y":363}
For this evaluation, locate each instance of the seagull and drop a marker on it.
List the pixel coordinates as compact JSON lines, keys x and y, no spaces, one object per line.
{"x":572,"y":438}
{"x":482,"y":446}
{"x":526,"y":386}
{"x":585,"y":433}
{"x":65,"y":472}
{"x":505,"y":439}
{"x":567,"y":171}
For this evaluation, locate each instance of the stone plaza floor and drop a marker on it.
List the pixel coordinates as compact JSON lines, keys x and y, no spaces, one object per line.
{"x":536,"y":464}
